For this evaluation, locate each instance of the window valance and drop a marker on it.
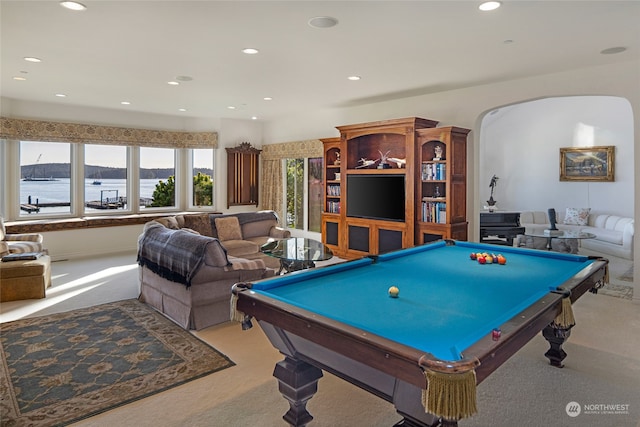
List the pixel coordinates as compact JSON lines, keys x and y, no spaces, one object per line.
{"x":292,"y":150}
{"x":46,"y":131}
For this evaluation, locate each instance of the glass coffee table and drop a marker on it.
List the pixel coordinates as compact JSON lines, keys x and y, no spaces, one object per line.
{"x":297,"y":253}
{"x":571,"y":238}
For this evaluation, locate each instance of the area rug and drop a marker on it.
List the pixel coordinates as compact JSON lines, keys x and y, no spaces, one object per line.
{"x":618,"y":291}
{"x":60,"y":368}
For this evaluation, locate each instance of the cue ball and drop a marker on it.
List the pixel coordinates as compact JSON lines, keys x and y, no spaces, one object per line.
{"x":394,"y":292}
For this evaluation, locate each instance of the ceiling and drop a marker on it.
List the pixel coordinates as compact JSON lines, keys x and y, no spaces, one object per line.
{"x":128,"y":50}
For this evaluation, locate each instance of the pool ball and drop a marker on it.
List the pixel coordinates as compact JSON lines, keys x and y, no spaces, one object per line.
{"x":394,"y":292}
{"x":502,"y":260}
{"x":472,"y":256}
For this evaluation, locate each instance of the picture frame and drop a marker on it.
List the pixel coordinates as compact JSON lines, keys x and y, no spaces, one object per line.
{"x":594,"y":164}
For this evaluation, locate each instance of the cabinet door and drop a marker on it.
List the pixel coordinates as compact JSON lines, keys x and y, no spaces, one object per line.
{"x":242,"y":175}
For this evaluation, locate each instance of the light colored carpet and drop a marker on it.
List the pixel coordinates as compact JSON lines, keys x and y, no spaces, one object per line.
{"x":602,"y":367}
{"x":627,"y":276}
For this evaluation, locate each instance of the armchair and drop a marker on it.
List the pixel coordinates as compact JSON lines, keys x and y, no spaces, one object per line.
{"x":19,"y":243}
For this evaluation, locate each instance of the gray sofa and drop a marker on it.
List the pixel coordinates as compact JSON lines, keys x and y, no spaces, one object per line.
{"x":614,"y":234}
{"x":242,"y":238}
{"x":188,"y":276}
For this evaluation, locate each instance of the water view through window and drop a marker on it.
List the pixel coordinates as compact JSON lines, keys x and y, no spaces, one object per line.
{"x":47,"y":182}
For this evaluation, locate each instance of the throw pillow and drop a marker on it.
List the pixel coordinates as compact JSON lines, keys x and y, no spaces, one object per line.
{"x":228,"y":228}
{"x":199,"y":223}
{"x":576,"y":216}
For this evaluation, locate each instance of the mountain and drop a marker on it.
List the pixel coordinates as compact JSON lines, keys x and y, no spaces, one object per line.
{"x":63,"y":170}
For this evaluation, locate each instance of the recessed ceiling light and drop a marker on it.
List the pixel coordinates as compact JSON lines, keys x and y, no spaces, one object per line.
{"x":613,"y":50}
{"x":182,"y":109}
{"x":250,"y":51}
{"x":173,"y":83}
{"x":125,"y":103}
{"x":19,"y":78}
{"x":231,"y":107}
{"x":73,"y":5}
{"x":323,"y":22}
{"x":268,"y":98}
{"x":489,"y":5}
{"x":61,"y":95}
{"x":32,"y":59}
{"x":354,"y":78}
{"x":254,"y":118}
{"x":508,"y":41}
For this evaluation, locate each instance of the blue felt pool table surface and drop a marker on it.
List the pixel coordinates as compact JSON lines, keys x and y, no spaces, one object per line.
{"x":447,"y":301}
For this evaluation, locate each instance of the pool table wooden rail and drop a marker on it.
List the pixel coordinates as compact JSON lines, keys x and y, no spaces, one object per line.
{"x":375,"y":351}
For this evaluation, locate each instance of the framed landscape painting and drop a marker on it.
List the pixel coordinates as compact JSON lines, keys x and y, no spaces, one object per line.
{"x":587,"y":164}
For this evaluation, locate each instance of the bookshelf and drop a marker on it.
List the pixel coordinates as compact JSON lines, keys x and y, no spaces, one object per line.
{"x":441,"y":191}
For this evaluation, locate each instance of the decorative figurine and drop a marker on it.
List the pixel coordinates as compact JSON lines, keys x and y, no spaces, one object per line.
{"x":400,"y":162}
{"x":491,"y":202}
{"x":336,"y":162}
{"x":552,"y":219}
{"x":383,"y":160}
{"x":552,"y":230}
{"x":438,"y":152}
{"x":366,"y":163}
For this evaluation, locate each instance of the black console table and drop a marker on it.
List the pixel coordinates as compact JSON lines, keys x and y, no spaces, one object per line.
{"x":500,"y":228}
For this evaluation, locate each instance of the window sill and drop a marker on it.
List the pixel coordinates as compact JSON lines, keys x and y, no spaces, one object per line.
{"x":46,"y":225}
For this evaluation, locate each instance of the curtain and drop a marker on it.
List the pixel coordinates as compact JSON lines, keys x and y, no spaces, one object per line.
{"x":271,"y":187}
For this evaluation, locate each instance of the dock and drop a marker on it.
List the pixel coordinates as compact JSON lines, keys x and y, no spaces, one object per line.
{"x":29,"y":208}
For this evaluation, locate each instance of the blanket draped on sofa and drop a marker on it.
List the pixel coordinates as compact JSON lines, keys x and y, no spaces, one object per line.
{"x":172,"y":254}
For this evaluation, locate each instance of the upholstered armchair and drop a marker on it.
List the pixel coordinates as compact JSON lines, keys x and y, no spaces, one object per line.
{"x":19,"y":243}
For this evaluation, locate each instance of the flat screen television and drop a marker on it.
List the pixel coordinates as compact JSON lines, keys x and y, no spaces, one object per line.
{"x":376,"y":196}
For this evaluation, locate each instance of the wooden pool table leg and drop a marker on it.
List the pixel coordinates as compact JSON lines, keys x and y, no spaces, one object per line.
{"x":298,"y":382}
{"x":556,"y":337}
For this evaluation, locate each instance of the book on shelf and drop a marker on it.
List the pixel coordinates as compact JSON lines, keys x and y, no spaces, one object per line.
{"x":435,"y":212}
{"x":333,"y":207}
{"x":433,"y":171}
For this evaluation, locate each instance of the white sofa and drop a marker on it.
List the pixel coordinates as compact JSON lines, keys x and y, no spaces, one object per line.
{"x":614,"y":234}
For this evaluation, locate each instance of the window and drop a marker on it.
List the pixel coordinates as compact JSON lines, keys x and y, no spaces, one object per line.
{"x":304,"y":188}
{"x":202,"y":172}
{"x":157,"y":177}
{"x":45,"y":178}
{"x":105,"y":178}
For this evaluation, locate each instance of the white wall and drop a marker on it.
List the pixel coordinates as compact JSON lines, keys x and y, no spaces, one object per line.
{"x":520,"y":144}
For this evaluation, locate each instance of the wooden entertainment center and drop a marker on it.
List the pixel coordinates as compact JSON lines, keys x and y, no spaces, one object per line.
{"x":373,"y":216}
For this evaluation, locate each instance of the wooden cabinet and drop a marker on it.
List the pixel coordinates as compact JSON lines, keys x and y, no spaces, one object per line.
{"x":332,"y":232}
{"x":418,"y":196}
{"x":376,"y":211}
{"x":243,"y":163}
{"x":441,"y":190}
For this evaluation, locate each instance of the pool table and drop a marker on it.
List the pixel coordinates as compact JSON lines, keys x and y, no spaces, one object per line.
{"x":453,"y":322}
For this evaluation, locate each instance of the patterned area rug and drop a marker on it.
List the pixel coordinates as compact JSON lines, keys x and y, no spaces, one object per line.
{"x":64,"y":367}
